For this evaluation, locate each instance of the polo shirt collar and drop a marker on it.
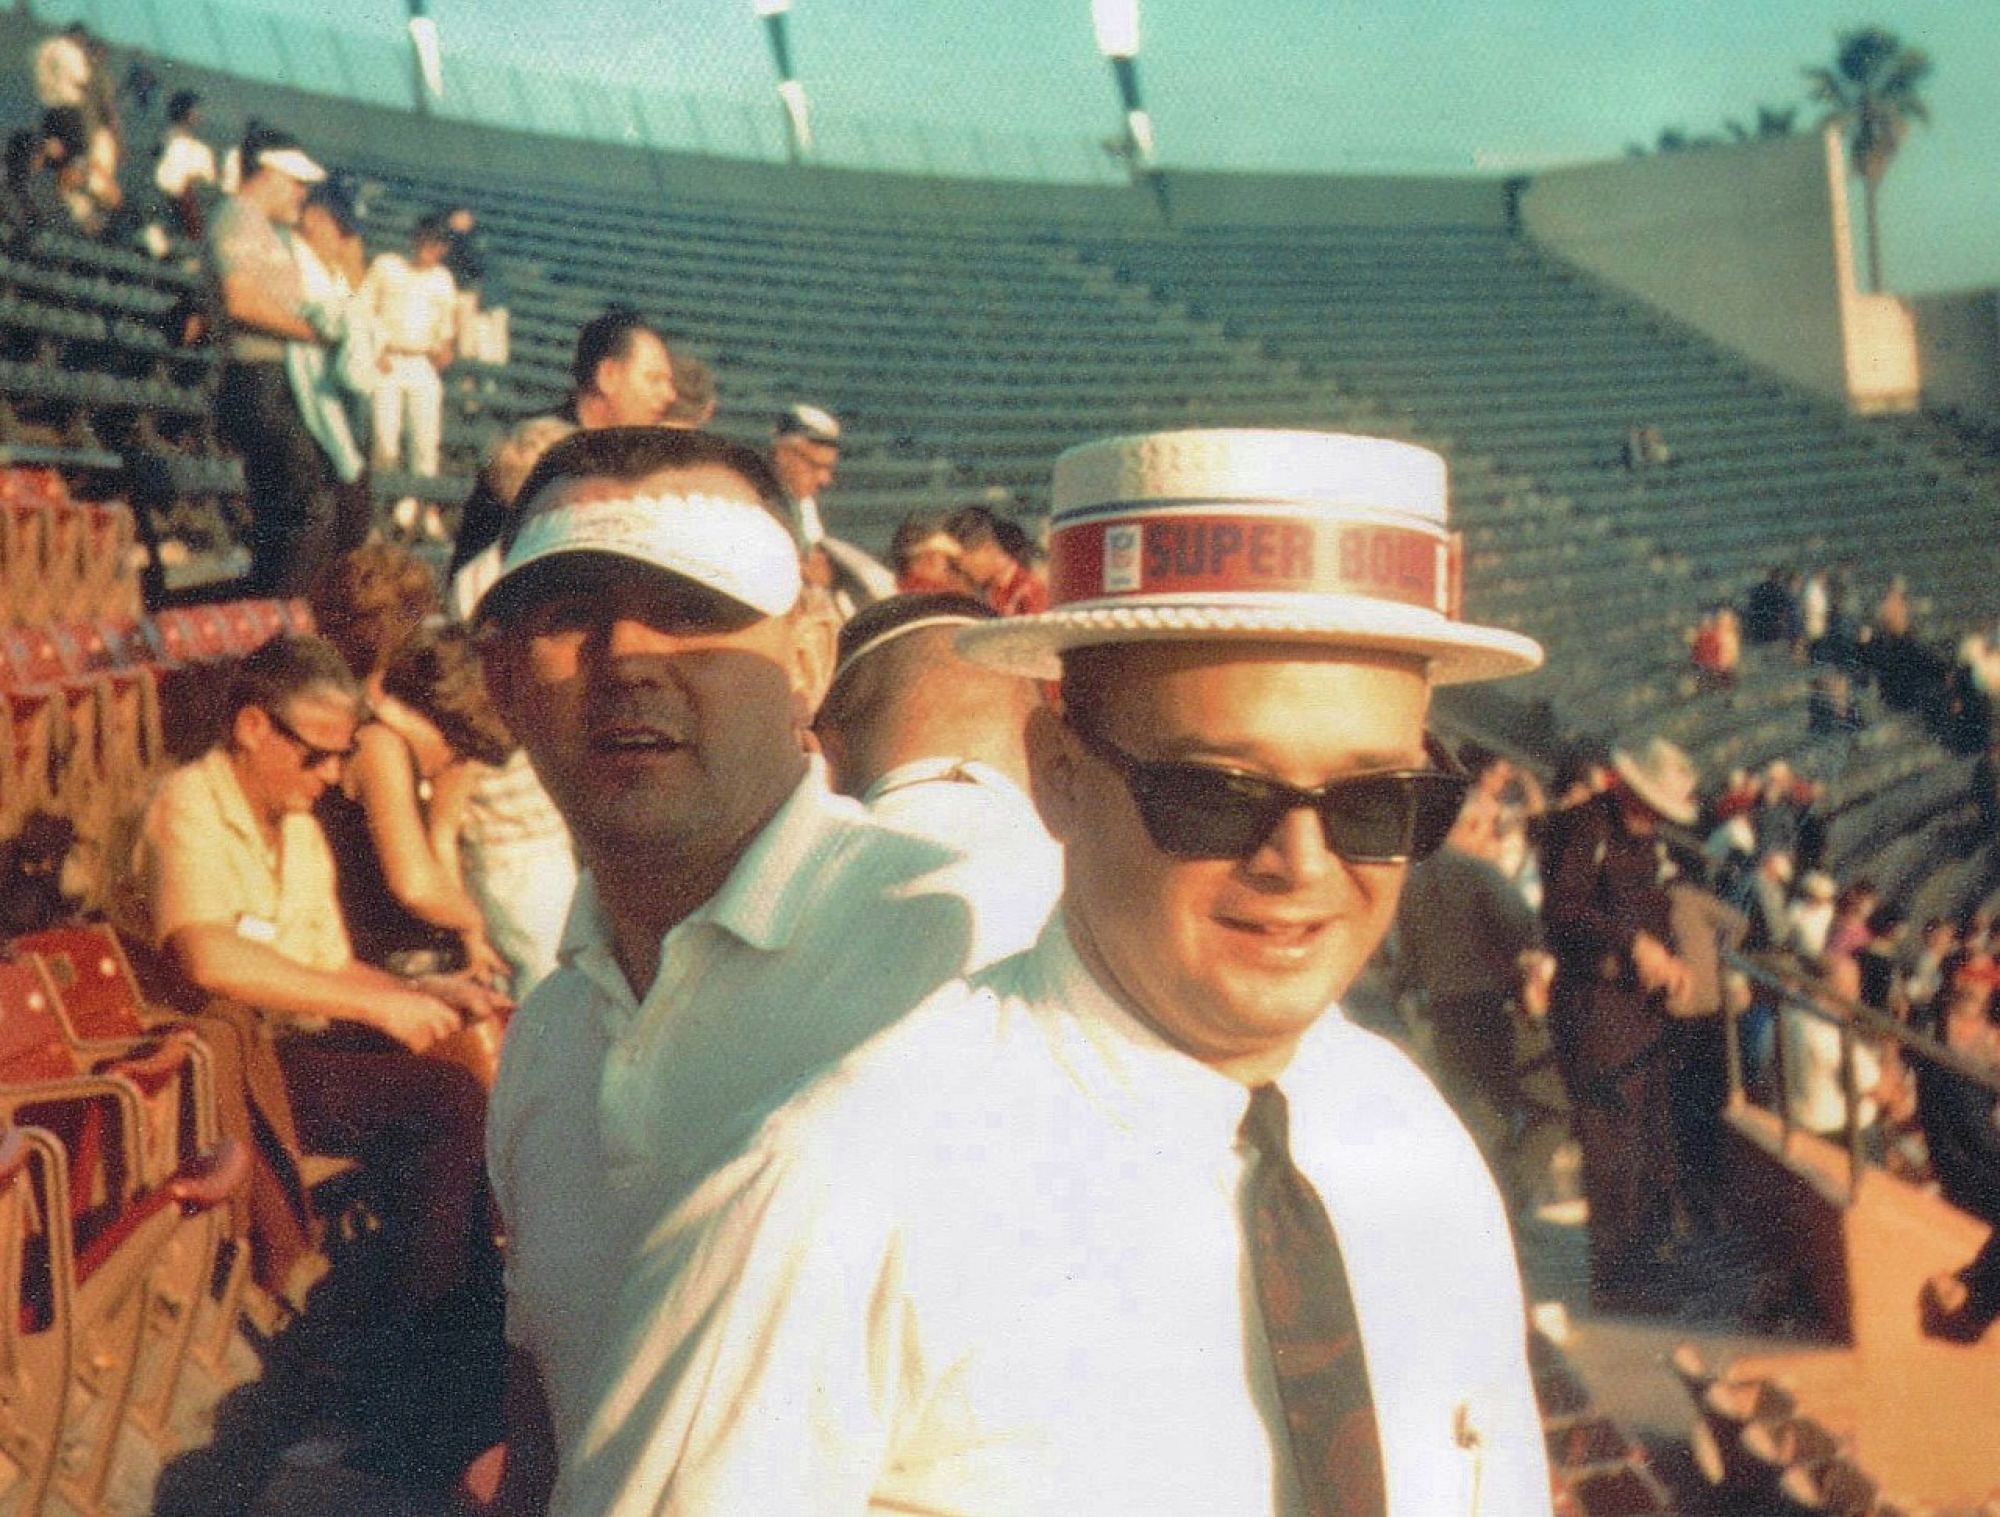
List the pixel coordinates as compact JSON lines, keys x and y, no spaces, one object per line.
{"x":232,"y":806}
{"x":774,"y":884}
{"x":763,"y":899}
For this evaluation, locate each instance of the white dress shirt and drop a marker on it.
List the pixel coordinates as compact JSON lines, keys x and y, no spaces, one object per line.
{"x":995,"y":1265}
{"x":973,"y":807}
{"x":609,"y":1109}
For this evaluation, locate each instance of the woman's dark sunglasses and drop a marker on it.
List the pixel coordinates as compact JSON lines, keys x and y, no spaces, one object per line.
{"x":1203,"y":811}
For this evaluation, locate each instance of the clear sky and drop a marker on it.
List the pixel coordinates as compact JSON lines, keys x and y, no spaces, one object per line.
{"x":1394,"y":85}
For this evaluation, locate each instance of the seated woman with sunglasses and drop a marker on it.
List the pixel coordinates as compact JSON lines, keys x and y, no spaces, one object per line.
{"x":393,"y":821}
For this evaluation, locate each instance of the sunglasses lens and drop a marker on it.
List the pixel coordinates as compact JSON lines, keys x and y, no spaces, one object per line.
{"x":1391,"y":818}
{"x":1195,"y":812}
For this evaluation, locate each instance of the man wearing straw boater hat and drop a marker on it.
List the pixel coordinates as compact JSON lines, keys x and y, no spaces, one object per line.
{"x":1136,"y":1221}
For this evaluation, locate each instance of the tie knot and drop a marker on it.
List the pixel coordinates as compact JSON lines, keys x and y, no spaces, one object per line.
{"x":1267,"y":1124}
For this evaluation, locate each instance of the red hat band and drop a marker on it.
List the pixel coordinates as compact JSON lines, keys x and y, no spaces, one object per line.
{"x":1159,"y":552}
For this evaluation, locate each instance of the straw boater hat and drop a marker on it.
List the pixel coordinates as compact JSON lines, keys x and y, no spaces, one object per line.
{"x":1663,"y":777}
{"x":1297,"y":536}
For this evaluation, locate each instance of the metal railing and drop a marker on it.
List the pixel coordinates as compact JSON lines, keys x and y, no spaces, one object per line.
{"x":1789,"y":987}
{"x":375,"y":68}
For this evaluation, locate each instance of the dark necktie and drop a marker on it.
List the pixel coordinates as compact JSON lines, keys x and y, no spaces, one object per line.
{"x":1309,"y":1319}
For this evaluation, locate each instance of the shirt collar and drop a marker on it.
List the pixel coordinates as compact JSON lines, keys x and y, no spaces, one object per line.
{"x":764,"y":897}
{"x":1141,"y":1081}
{"x":232,"y":806}
{"x":939,"y":768}
{"x":773,"y":885}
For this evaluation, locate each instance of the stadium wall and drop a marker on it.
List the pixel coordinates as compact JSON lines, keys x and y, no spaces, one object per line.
{"x":347,"y":132}
{"x":1958,"y":340}
{"x":1749,"y":244}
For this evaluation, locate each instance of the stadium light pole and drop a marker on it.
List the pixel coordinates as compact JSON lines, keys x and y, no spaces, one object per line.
{"x":798,"y":125}
{"x":429,"y":59}
{"x":1117,"y":25}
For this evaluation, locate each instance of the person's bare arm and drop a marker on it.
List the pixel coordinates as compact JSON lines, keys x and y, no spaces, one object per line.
{"x":223,"y":963}
{"x":403,"y":838}
{"x":249,"y":304}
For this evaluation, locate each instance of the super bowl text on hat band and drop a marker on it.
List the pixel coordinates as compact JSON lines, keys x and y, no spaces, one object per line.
{"x":1206,"y":551}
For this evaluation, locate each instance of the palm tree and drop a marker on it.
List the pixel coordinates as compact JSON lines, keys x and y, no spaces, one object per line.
{"x":1872,"y":91}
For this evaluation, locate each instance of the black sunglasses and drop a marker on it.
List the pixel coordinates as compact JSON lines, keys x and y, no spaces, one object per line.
{"x":310,"y":754}
{"x":1203,"y":811}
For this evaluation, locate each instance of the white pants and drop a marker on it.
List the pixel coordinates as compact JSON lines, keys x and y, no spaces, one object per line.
{"x":411,"y":385}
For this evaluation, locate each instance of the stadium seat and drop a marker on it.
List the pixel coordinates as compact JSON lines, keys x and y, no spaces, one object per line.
{"x":143,"y":1227}
{"x":34,"y":1315}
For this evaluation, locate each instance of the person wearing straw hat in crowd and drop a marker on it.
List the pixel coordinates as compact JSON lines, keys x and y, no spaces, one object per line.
{"x":1607,"y":911}
{"x":1137,"y":1220}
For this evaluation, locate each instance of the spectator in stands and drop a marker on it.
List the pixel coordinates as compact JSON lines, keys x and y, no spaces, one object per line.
{"x":63,"y":67}
{"x":231,"y":879}
{"x":465,"y":261}
{"x":1892,"y":612}
{"x":414,"y":303}
{"x":1849,"y":931}
{"x":1810,"y":916}
{"x":104,"y":158}
{"x":299,"y":518}
{"x":1923,"y":968}
{"x":186,"y":172}
{"x":935,"y":745}
{"x":694,"y":393}
{"x":1815,"y":1081}
{"x":1646,"y":449}
{"x":322,"y":374}
{"x":1008,"y":583}
{"x":924,"y":558}
{"x":1815,"y":610}
{"x":805,"y":452}
{"x":1962,"y":1133}
{"x":623,"y":377}
{"x":737,"y":928}
{"x":45,"y":172}
{"x":515,"y":847}
{"x":1772,"y":613}
{"x":369,"y":603}
{"x":1780,"y":816}
{"x":1463,"y":931}
{"x":393,"y":822}
{"x":1717,"y":649}
{"x":1607,"y":915}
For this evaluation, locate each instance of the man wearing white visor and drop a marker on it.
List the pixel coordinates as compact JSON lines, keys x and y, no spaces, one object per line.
{"x":1137,"y":1221}
{"x":737,"y":928}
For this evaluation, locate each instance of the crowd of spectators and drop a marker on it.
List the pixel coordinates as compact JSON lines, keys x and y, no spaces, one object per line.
{"x":402,"y":876}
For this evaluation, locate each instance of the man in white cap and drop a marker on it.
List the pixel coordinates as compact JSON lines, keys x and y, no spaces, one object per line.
{"x":1607,"y":914}
{"x":300,"y":520}
{"x":1137,"y":1221}
{"x":737,"y":928}
{"x":805,"y":451}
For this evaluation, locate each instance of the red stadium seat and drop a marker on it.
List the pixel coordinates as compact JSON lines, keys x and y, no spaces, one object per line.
{"x":145,"y":1209}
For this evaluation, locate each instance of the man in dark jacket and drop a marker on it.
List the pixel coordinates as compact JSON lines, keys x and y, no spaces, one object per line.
{"x":1606,"y":914}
